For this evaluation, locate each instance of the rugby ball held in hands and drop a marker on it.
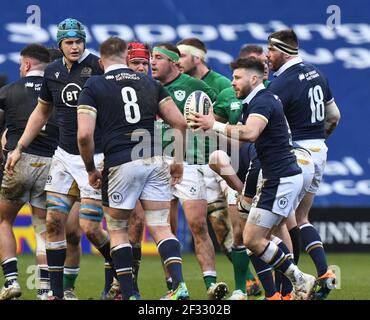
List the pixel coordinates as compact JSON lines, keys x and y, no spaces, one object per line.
{"x":197,"y":102}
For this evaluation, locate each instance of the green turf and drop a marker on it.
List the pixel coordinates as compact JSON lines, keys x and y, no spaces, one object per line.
{"x":353,"y":267}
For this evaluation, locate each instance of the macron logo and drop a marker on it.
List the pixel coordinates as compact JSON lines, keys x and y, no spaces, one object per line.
{"x":29,"y":85}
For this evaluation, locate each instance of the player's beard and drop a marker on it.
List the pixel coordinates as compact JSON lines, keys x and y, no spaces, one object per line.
{"x":276,"y":64}
{"x":238,"y":94}
{"x":243,"y":92}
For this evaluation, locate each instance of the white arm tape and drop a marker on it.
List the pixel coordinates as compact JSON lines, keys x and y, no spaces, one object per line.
{"x":219,"y":127}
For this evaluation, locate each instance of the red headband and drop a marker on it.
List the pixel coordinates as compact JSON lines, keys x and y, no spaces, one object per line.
{"x":138,"y":50}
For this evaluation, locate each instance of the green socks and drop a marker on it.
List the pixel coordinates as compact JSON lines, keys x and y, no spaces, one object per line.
{"x":240,"y":261}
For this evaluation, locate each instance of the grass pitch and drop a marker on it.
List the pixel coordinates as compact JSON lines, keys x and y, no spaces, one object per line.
{"x":354,"y":277}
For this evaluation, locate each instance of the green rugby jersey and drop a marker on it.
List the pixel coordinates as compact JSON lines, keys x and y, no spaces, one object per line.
{"x":179,"y":89}
{"x":219,"y":83}
{"x":216,"y":81}
{"x":228,"y":106}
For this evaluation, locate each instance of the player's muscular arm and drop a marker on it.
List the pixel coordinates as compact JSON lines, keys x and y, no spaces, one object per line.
{"x":332,"y":117}
{"x":169,"y":112}
{"x":250,"y":131}
{"x":39,"y":117}
{"x":86,"y":121}
{"x":85,"y":137}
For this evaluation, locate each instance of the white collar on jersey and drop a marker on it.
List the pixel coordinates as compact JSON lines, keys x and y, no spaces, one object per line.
{"x":35,"y":73}
{"x":253,"y":93}
{"x":82,"y":58}
{"x":287,"y":65}
{"x":115,"y":67}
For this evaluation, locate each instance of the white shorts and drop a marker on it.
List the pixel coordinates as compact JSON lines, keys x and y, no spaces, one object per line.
{"x":141,"y":179}
{"x":305,"y":162}
{"x":68,"y":175}
{"x":212,"y":182}
{"x":192,"y":186}
{"x":27,"y":182}
{"x":279,"y":196}
{"x":318,"y":150}
{"x":263,"y":218}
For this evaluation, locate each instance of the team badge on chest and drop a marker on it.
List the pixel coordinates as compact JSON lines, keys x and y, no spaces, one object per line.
{"x":180,"y":95}
{"x":86,"y":72}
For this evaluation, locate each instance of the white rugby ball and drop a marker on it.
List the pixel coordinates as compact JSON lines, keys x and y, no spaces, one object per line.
{"x":199,"y":102}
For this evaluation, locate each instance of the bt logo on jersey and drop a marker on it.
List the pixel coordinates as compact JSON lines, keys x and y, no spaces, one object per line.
{"x":283,"y":202}
{"x":70,"y":94}
{"x":116,"y":197}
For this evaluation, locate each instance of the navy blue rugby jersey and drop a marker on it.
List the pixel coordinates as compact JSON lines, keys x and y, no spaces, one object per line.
{"x":249,"y":153}
{"x":126,"y":104}
{"x":18,"y":100}
{"x":62,"y":89}
{"x":304,"y":92}
{"x":274,"y":148}
{"x":248,"y":160}
{"x":249,"y":168}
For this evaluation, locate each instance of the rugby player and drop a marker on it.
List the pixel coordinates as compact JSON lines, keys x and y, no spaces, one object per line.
{"x":67,"y":181}
{"x":312,"y":115}
{"x":124,"y":104}
{"x":26,"y":185}
{"x":264,"y":123}
{"x":191,"y":191}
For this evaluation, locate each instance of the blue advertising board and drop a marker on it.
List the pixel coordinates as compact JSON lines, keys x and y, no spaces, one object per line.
{"x":334,"y":37}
